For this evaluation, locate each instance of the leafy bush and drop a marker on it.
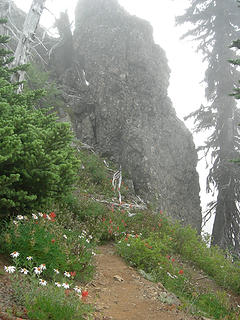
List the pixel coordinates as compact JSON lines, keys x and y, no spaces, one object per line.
{"x":37,"y":162}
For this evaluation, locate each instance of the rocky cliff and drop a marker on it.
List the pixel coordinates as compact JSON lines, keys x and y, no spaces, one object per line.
{"x":115,"y":80}
{"x":124,"y":110}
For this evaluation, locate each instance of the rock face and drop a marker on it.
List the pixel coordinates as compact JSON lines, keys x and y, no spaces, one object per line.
{"x":116,"y":97}
{"x":123,"y":107}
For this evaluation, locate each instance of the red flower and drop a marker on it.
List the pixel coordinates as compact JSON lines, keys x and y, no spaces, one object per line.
{"x":168,"y":257}
{"x":181,"y":271}
{"x":161,"y":212}
{"x":84,"y":294}
{"x":53,"y":240}
{"x":173,"y":259}
{"x":110,"y":221}
{"x":44,"y":216}
{"x":52,"y":215}
{"x":117,"y":228}
{"x":136,"y":235}
{"x":103,"y":219}
{"x":126,"y":239}
{"x":73,"y":274}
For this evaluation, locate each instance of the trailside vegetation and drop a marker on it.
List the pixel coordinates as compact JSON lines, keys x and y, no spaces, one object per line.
{"x":37,"y":161}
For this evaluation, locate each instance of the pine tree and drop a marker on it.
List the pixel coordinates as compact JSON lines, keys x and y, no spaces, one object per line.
{"x":214,"y":29}
{"x":37,"y":162}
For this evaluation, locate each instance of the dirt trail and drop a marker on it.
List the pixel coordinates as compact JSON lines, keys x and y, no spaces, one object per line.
{"x":120,"y":293}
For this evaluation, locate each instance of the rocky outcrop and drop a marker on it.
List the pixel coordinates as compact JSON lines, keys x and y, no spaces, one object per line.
{"x":124,"y":110}
{"x":115,"y":91}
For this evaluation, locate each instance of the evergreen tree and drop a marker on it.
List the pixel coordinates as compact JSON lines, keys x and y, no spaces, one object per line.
{"x":215,"y":27}
{"x":37,"y":162}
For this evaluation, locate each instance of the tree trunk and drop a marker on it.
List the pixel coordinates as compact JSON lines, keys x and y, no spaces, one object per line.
{"x":27,"y":36}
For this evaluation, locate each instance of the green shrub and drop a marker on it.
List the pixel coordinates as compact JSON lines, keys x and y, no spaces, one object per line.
{"x":37,"y":162}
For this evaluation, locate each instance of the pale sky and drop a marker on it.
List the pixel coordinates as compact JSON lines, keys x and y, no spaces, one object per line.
{"x":187,"y":69}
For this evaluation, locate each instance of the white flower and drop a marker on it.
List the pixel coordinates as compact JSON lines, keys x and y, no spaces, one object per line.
{"x":20,"y":217}
{"x":93,"y":253}
{"x":131,"y":214}
{"x":15,"y":222}
{"x":56,"y":271}
{"x":65,"y":285}
{"x":58,"y":284}
{"x":40,"y":214}
{"x":29,"y":258}
{"x":87,"y":241}
{"x":90,"y":237}
{"x":67,"y":274}
{"x":171,"y":276}
{"x":77,"y":289}
{"x":10,"y":269}
{"x":64,"y":236}
{"x":35,"y":217}
{"x":15,"y":254}
{"x":42,"y":266}
{"x":24,"y":271}
{"x":128,"y":244}
{"x":37,"y":270}
{"x":42,"y":282}
{"x":48,"y":217}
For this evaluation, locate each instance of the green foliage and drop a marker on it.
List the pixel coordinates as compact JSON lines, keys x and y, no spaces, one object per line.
{"x":57,"y":299}
{"x":49,"y":243}
{"x":52,"y":303}
{"x":93,"y":177}
{"x":37,"y":161}
{"x":210,"y":304}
